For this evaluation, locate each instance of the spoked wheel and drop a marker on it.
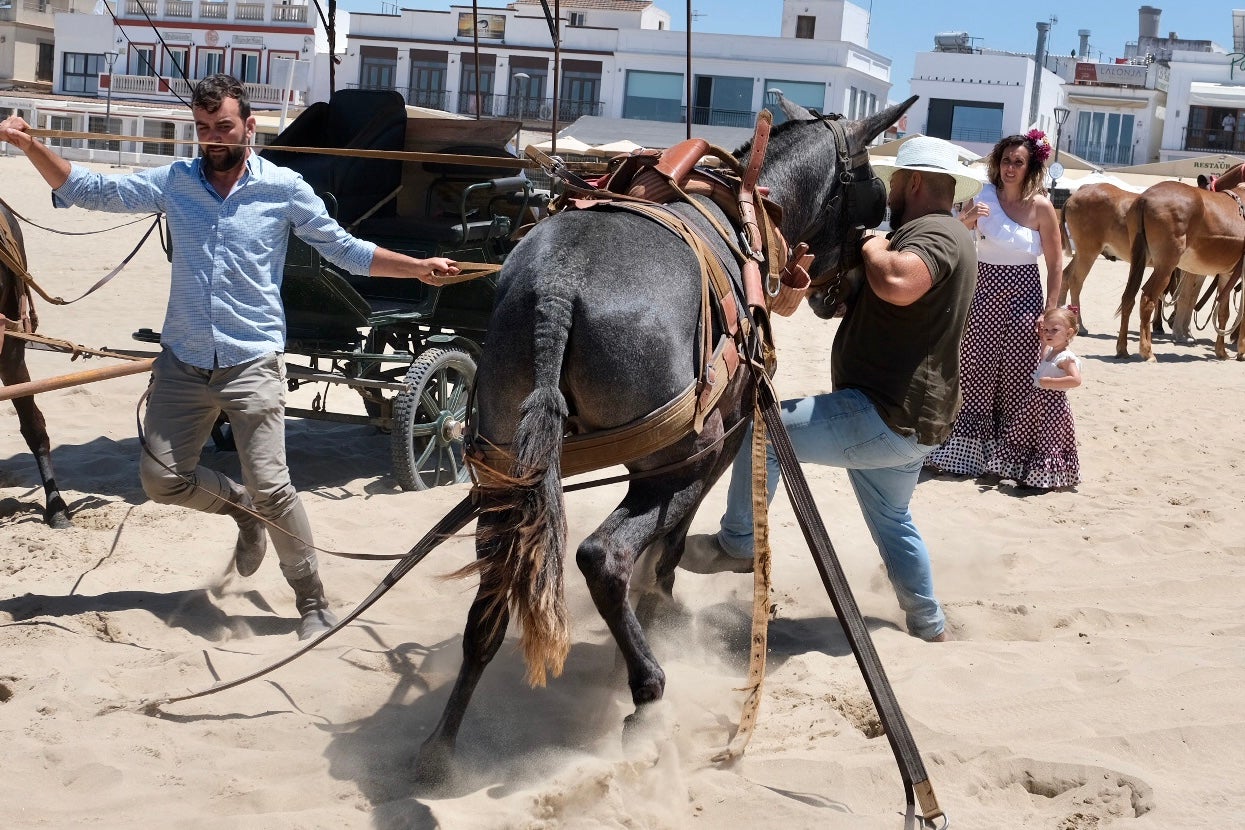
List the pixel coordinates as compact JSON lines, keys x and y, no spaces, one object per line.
{"x":428,"y":421}
{"x":382,"y":342}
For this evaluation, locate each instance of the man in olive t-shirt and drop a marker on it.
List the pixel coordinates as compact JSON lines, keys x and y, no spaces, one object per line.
{"x":895,"y":369}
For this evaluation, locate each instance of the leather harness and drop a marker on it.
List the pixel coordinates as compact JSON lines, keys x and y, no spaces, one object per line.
{"x":645,"y":183}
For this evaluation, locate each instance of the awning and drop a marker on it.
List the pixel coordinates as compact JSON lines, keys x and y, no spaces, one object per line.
{"x":1188,"y":168}
{"x":1204,"y":94}
{"x":1108,"y":101}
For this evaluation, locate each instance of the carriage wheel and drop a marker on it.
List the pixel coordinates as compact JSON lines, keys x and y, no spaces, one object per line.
{"x":428,"y":421}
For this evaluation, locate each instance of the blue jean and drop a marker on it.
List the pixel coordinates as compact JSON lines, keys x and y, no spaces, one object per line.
{"x":844,"y":429}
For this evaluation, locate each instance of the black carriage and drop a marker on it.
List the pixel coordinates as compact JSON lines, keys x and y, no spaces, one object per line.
{"x":407,"y":348}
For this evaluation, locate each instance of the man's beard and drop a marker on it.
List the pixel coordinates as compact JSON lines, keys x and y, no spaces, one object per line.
{"x":221,"y":163}
{"x":897,"y":217}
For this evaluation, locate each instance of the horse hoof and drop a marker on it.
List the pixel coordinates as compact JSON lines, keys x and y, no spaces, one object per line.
{"x":646,"y":729}
{"x":434,"y":766}
{"x":58,"y":521}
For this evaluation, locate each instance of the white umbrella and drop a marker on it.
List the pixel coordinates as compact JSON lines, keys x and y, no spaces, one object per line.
{"x":623,"y":145}
{"x":566,"y":144}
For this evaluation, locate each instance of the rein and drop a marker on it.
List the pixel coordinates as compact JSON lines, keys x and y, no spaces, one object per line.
{"x":393,"y":155}
{"x":9,"y":257}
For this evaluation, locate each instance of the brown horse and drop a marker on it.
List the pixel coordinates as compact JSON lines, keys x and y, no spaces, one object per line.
{"x":18,"y":312}
{"x":1095,"y":222}
{"x":1175,"y":225}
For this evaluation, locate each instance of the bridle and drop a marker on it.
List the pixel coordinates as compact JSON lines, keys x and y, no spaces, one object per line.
{"x":858,"y":204}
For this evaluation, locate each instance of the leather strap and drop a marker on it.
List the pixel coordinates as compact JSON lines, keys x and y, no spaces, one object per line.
{"x":911,"y":767}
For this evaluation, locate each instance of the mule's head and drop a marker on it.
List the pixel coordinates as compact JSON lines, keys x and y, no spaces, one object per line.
{"x":829,"y":194}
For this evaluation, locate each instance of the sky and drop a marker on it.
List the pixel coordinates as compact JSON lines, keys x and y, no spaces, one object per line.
{"x":901,"y":28}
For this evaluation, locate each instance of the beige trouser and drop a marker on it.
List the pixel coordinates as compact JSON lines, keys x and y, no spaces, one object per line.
{"x":181,"y":410}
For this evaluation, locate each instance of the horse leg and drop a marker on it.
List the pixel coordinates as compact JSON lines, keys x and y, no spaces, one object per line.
{"x":1188,"y":286}
{"x":1074,"y":275}
{"x":1151,"y":297}
{"x":1223,"y":301}
{"x":34,"y":429}
{"x":483,"y":635}
{"x":654,"y":513}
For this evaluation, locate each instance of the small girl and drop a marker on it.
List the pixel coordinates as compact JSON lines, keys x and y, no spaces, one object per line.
{"x":1038,"y":448}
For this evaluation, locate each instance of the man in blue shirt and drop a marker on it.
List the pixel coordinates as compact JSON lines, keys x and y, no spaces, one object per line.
{"x":224,"y":330}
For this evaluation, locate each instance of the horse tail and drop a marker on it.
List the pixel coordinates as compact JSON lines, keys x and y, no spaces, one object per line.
{"x":1136,"y":266}
{"x":1063,"y":229}
{"x":525,"y":567}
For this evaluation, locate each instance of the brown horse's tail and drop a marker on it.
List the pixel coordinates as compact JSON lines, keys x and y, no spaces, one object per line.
{"x":524,"y":568}
{"x":1063,"y":229}
{"x":1136,"y":266}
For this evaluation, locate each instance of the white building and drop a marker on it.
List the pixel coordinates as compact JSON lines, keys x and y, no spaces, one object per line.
{"x":974,"y":97}
{"x":619,"y":59}
{"x":26,"y":38}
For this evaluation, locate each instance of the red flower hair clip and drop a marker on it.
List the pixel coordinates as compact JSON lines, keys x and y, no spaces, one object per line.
{"x":1039,"y":145}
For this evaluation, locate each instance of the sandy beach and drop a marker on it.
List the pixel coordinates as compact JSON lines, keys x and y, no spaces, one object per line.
{"x":1094,"y":679}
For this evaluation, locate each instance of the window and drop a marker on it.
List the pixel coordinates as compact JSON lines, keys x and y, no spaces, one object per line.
{"x":177,"y":62}
{"x":655,"y":96}
{"x":211,"y":62}
{"x":805,"y":26}
{"x":47,"y":57}
{"x":476,"y":92}
{"x":64,"y":124}
{"x":246,"y":66}
{"x":722,"y":101}
{"x":159,"y":129}
{"x":427,"y":79}
{"x":581,"y":94}
{"x":979,"y":121}
{"x":80,"y":72}
{"x":578,"y":19}
{"x":1104,"y":137}
{"x":144,"y":62}
{"x":110,"y":126}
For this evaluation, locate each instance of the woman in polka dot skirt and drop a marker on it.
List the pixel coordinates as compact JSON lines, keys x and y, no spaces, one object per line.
{"x":1015,"y":223}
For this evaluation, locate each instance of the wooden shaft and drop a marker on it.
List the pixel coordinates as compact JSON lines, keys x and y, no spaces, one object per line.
{"x":34,"y":387}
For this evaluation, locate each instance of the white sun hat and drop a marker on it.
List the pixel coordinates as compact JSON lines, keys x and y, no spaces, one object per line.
{"x":927,"y":154}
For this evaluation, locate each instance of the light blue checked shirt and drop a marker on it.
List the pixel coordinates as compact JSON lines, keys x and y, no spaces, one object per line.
{"x":228,"y":254}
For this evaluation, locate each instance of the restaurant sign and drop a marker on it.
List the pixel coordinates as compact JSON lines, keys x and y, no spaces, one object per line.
{"x":1124,"y":74}
{"x":486,"y":26}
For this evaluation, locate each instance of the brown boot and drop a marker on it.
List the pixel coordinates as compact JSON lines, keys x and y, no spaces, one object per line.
{"x":252,"y":544}
{"x":313,"y":607}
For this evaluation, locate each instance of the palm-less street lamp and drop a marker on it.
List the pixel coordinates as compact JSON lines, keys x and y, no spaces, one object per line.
{"x":111,"y":57}
{"x":1056,"y":169}
{"x":521,"y":90}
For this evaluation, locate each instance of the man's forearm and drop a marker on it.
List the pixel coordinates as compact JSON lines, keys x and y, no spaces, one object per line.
{"x":53,"y":168}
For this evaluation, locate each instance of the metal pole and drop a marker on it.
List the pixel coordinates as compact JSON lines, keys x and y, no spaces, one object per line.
{"x":111,"y":57}
{"x":688,"y":70}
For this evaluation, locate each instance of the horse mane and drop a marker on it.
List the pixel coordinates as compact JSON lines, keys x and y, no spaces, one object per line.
{"x":781,"y":129}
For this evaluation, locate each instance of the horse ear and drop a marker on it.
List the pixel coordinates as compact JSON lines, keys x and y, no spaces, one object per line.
{"x":792,"y":110}
{"x":866,"y":129}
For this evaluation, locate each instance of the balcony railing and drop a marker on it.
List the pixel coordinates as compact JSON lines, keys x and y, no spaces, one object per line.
{"x":249,"y":11}
{"x":150,"y":86}
{"x":211,"y":10}
{"x":493,"y":106}
{"x":1108,"y":155}
{"x":714,"y":117}
{"x":289,"y":14}
{"x":179,"y":8}
{"x":1214,"y":141}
